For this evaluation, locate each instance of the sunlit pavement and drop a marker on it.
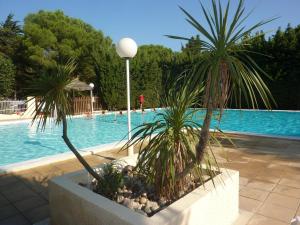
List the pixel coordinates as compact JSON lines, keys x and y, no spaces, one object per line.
{"x":269,"y":182}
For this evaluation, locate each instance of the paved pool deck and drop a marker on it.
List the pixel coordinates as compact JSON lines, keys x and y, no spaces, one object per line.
{"x":269,"y":182}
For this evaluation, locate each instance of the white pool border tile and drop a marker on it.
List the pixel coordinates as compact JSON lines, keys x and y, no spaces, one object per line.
{"x":292,"y":138}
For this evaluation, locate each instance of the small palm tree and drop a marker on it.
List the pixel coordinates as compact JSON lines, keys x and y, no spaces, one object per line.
{"x":167,"y":145}
{"x":52,"y":90}
{"x":225,"y":69}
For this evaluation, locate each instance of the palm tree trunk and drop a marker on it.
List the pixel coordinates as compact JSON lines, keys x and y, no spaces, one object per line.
{"x":204,"y":134}
{"x":76,"y":153}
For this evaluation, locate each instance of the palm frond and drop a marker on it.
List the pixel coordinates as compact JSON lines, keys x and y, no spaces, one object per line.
{"x":224,"y":51}
{"x":224,"y":71}
{"x":171,"y":138}
{"x":51,"y":94}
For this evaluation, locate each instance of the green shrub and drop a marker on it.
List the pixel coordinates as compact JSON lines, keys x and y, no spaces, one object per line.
{"x":111,"y":180}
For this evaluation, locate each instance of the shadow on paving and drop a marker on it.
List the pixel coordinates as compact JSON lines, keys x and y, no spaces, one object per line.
{"x":24,"y":195}
{"x":268,"y":167}
{"x":284,"y":148}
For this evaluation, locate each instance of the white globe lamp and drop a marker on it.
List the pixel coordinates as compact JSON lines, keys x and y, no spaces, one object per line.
{"x":91,"y":85}
{"x":92,"y":98}
{"x":127,"y":48}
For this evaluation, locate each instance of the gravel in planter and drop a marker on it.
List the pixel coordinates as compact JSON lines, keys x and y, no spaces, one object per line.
{"x":133,"y":192}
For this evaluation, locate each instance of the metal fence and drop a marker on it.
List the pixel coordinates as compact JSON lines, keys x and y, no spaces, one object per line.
{"x":11,"y":107}
{"x":80,"y":105}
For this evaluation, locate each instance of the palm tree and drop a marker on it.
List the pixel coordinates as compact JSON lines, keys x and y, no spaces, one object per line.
{"x":167,"y":144}
{"x":52,"y":90}
{"x":225,"y":69}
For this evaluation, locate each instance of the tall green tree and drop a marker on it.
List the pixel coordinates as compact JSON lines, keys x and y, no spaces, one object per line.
{"x":150,"y":67}
{"x":281,"y":63}
{"x":192,"y":49}
{"x":225,"y":69}
{"x":52,"y":37}
{"x":7,"y":77}
{"x":10,"y":36}
{"x":109,"y":80}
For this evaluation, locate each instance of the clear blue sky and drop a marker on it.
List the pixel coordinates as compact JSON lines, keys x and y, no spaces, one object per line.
{"x":147,"y":21}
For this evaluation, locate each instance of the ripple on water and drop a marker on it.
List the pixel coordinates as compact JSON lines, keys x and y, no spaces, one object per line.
{"x":22,"y":141}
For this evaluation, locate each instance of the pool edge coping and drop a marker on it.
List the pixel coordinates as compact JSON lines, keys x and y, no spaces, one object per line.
{"x":290,"y":138}
{"x":33,"y":163}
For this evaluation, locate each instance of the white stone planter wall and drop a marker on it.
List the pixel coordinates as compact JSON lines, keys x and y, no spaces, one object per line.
{"x":71,"y":204}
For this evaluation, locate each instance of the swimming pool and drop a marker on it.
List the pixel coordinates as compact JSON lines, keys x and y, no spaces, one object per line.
{"x":21,"y":141}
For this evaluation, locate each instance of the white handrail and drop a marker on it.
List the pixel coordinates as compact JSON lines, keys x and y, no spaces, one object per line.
{"x":12,"y":106}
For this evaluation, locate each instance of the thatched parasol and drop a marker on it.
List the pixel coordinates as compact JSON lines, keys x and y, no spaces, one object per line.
{"x":78,"y":85}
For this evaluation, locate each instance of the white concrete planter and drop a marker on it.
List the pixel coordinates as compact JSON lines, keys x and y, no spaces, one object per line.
{"x":72,"y":204}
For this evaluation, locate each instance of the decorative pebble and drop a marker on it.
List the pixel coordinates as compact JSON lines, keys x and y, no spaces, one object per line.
{"x":141,"y":197}
{"x":154,"y":206}
{"x":127,"y":193}
{"x":135,"y":205}
{"x":126,"y":202}
{"x":130,"y":203}
{"x":162,"y":201}
{"x":120,"y":198}
{"x":143,"y":200}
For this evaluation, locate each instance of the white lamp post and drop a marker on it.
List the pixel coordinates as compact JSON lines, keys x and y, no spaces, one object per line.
{"x":127,"y":48}
{"x":92,"y":98}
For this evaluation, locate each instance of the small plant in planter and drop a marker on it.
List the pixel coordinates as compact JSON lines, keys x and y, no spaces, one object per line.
{"x":170,"y":150}
{"x":111,"y":180}
{"x":166,"y":166}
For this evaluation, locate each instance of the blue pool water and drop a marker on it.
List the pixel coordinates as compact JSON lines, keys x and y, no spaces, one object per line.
{"x":22,"y":141}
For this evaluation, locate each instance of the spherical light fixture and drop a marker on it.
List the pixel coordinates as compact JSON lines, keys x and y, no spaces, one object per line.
{"x":91,"y":85}
{"x":126,"y":48}
{"x":92,"y":98}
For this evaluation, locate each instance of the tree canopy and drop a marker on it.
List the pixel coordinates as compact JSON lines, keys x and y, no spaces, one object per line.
{"x":281,"y":64}
{"x":52,"y":37}
{"x":7,"y":77}
{"x":48,"y":38}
